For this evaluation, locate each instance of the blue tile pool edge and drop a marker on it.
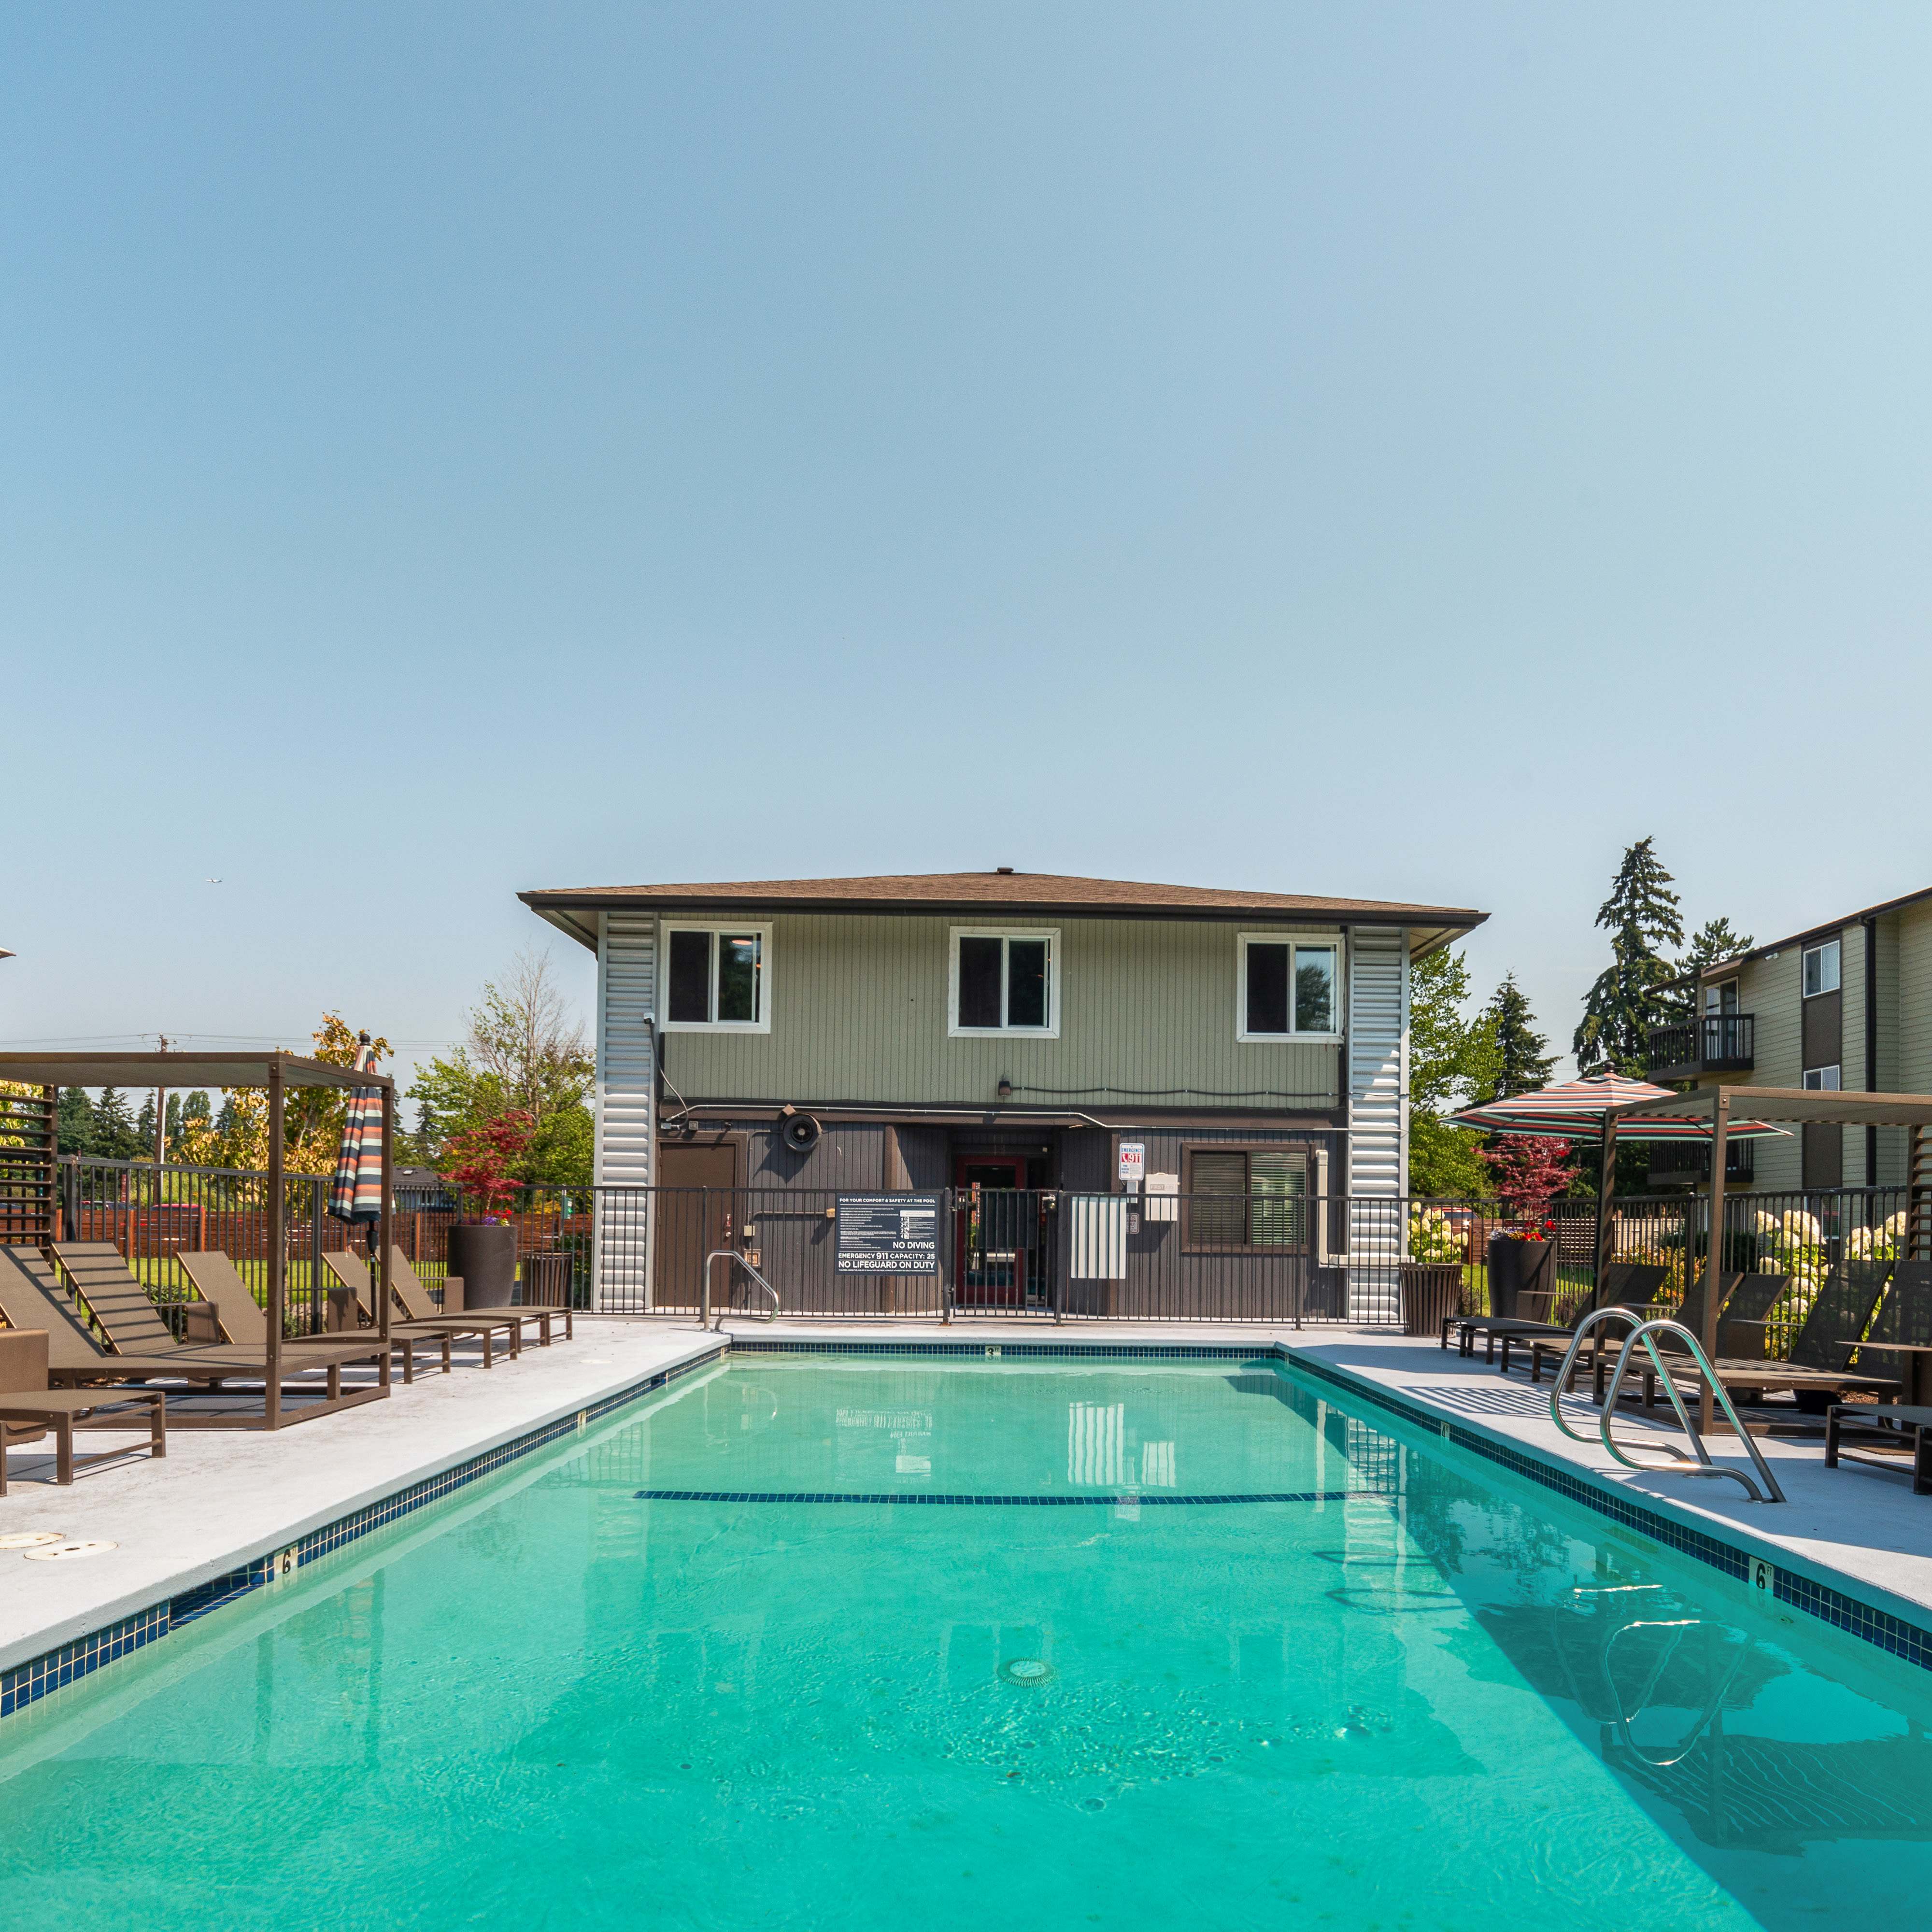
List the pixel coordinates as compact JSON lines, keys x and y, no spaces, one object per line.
{"x":1898,"y":1636}
{"x":25,"y":1684}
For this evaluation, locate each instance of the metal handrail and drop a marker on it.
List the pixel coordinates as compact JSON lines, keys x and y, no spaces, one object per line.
{"x":744,"y":1261}
{"x":1646,"y":1331}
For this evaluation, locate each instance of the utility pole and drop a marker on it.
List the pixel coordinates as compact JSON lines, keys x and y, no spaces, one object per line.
{"x":160,"y":1126}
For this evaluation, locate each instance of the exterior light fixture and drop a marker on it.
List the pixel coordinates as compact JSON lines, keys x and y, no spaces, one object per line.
{"x":1006,"y":1089}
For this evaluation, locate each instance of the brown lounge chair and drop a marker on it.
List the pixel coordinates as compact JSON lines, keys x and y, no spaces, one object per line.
{"x":144,"y":1346}
{"x":1625,"y":1285}
{"x":1604,"y":1345}
{"x":28,"y":1408}
{"x":1817,"y":1370}
{"x":417,"y":1305}
{"x":241,"y":1320}
{"x":484,"y":1326}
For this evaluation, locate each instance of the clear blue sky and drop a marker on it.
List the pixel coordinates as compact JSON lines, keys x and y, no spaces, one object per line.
{"x":1406,"y":452}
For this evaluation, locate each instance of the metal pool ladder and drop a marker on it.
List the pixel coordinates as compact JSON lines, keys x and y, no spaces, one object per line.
{"x":1702,"y":1464}
{"x":744,"y":1262}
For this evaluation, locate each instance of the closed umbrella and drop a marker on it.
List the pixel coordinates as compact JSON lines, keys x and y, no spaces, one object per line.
{"x":357,"y":1194}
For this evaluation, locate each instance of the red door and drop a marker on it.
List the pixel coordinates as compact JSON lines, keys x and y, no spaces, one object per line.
{"x":990,"y":1247}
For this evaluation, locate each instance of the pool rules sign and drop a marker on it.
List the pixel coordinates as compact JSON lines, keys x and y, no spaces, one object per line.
{"x":888,"y":1234}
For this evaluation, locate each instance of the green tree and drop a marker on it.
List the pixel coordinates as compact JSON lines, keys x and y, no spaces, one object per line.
{"x":74,"y":1124}
{"x":1450,"y":1060}
{"x":1523,"y":1062}
{"x":524,"y":1054}
{"x":115,"y":1138}
{"x":1716,"y":940}
{"x":144,"y":1127}
{"x":1632,"y":994}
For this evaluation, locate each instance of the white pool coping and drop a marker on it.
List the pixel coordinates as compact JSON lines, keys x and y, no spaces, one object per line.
{"x":222,"y":1500}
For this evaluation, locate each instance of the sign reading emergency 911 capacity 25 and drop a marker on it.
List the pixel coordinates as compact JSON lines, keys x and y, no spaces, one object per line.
{"x":888,"y":1234}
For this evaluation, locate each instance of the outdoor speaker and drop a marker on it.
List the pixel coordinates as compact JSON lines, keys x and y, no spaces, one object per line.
{"x":801,"y":1133}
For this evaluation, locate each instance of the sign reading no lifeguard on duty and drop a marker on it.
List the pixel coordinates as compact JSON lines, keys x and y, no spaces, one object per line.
{"x":888,"y":1234}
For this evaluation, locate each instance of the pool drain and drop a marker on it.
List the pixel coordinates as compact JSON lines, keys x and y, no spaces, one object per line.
{"x":29,"y":1539}
{"x":1026,"y":1670}
{"x":59,"y":1551}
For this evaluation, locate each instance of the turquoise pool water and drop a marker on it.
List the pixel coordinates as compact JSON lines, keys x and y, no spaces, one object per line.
{"x":1417,"y":1695}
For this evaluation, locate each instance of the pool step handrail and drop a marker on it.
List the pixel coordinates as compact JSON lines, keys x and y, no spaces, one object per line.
{"x":743,"y":1261}
{"x":1646,"y":1331}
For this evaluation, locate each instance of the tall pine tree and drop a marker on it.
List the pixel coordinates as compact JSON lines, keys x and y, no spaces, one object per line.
{"x":74,"y":1115}
{"x":114,"y":1135}
{"x":1523,"y":1063}
{"x":1631,"y":995}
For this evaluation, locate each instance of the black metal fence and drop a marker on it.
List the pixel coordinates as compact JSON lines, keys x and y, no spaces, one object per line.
{"x":1279,"y":1256}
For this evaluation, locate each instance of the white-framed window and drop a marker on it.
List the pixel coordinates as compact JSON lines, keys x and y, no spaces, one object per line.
{"x":717,"y":977}
{"x":1721,"y":998}
{"x":1820,"y":1079}
{"x":1003,"y":980}
{"x":1287,"y":988}
{"x":1821,"y":968}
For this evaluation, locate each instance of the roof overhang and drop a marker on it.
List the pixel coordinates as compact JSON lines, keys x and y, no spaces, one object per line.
{"x":179,"y":1070}
{"x":574,"y":911}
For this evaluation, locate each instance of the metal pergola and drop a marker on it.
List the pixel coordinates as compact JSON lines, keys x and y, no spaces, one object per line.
{"x":277,"y":1072}
{"x":1797,"y":1105}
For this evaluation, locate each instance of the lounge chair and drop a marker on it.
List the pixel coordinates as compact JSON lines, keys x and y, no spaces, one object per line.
{"x":143,"y":1346}
{"x":1817,"y":1370}
{"x":1625,"y":1285}
{"x":417,"y":1305}
{"x":1603,"y":1347}
{"x":484,"y":1326}
{"x":28,"y":1408}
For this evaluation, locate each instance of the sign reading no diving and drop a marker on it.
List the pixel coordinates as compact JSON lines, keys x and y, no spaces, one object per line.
{"x":888,"y":1234}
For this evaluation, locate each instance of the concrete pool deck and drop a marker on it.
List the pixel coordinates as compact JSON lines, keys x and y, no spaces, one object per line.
{"x":221,"y":1500}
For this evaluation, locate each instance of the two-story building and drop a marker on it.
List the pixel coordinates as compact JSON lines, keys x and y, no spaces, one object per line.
{"x":1001,"y":1030}
{"x":1844,"y":1005}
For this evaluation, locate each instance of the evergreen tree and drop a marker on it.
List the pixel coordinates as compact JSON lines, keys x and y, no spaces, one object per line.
{"x":144,"y":1128}
{"x":74,"y":1121}
{"x":1524,"y":1063}
{"x":1715,"y":939}
{"x":114,"y":1135}
{"x":1450,"y":1060}
{"x":1630,"y":995}
{"x":174,"y":1123}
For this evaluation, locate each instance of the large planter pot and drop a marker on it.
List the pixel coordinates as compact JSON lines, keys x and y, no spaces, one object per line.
{"x":485,"y":1254}
{"x":1522,"y":1274}
{"x":1432,"y":1291}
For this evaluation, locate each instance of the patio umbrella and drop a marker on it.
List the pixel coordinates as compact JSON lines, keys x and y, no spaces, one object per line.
{"x":1578,"y":1109}
{"x":357,"y":1194}
{"x":1581,"y":1110}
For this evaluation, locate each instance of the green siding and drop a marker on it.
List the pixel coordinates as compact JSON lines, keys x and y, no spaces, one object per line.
{"x":1772,"y":989}
{"x":1892,"y":1141}
{"x":859,"y":1013}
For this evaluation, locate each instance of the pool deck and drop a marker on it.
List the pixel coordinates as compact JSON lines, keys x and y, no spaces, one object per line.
{"x":224,"y":1499}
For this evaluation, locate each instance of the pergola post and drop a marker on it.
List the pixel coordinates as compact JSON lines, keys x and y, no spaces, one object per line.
{"x":1713,"y":1272}
{"x":278,"y":1244}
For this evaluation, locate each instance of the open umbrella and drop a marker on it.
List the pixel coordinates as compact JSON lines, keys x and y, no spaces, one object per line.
{"x":1581,"y":1110}
{"x":357,"y":1194}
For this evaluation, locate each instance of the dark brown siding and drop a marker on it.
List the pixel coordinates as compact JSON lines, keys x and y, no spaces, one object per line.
{"x":1824,"y":1030}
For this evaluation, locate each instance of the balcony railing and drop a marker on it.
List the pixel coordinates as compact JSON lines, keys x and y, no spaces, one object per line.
{"x":1673,"y":1161}
{"x":1712,"y":1043}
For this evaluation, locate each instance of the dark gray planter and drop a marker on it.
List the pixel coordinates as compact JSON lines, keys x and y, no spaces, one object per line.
{"x":485,"y":1254}
{"x":1432,"y":1291}
{"x":1520,"y":1269}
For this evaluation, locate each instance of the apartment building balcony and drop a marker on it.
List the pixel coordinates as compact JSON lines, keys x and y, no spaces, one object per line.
{"x":1712,"y":1043}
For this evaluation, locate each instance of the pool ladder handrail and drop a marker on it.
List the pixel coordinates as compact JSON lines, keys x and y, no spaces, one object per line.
{"x":1645,"y":1332}
{"x":744,"y":1261}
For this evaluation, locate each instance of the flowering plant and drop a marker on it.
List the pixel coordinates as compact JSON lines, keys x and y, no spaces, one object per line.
{"x":1433,"y":1237}
{"x":1881,"y":1244}
{"x":1793,"y":1244}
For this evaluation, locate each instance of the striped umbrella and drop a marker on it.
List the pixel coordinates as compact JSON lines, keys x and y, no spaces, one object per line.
{"x":1576,"y":1109}
{"x":357,"y":1194}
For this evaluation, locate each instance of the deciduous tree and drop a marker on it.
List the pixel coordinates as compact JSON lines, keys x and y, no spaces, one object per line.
{"x":1450,"y":1059}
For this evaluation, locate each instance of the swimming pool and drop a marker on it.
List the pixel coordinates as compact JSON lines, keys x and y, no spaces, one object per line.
{"x":1160,"y":1644}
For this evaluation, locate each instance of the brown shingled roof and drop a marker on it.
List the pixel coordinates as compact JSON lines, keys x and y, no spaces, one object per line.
{"x":1031,"y":891}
